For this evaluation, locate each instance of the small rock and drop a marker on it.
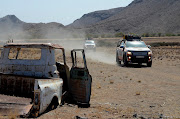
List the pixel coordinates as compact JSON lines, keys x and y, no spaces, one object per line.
{"x":78,"y":117}
{"x":135,"y":116}
{"x":151,"y":106}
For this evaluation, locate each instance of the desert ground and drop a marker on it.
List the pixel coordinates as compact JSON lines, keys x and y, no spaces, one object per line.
{"x":129,"y":92}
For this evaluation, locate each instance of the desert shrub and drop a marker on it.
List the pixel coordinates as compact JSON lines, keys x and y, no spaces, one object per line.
{"x":153,"y":35}
{"x":158,"y":44}
{"x":103,"y":35}
{"x":95,"y":36}
{"x":145,"y":35}
{"x":170,"y":34}
{"x":109,"y":36}
{"x":89,"y":36}
{"x":120,"y":34}
{"x":159,"y":34}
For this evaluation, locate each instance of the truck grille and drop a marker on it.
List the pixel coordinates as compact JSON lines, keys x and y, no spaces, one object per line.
{"x":137,"y":53}
{"x":90,"y":46}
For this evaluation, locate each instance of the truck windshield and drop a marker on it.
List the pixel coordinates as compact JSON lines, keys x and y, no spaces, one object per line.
{"x":89,"y":42}
{"x":135,"y":44}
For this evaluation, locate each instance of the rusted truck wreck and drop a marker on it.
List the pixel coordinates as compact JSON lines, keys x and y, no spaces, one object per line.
{"x":32,"y":81}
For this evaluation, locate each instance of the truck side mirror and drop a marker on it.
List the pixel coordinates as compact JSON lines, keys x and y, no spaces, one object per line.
{"x":121,"y":46}
{"x":148,"y":46}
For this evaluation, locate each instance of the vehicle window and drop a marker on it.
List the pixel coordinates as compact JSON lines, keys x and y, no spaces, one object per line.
{"x":59,"y":56}
{"x":135,"y":44}
{"x":89,"y":42}
{"x":122,"y":43}
{"x":25,"y":53}
{"x":79,"y":60}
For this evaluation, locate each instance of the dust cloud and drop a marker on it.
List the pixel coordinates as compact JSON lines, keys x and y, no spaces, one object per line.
{"x":64,"y":37}
{"x":101,"y":56}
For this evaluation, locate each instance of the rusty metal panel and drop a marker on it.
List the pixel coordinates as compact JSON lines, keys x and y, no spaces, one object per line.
{"x":36,"y":68}
{"x":16,"y":105}
{"x":80,"y":86}
{"x":80,"y":81}
{"x":49,"y":88}
{"x":17,"y":85}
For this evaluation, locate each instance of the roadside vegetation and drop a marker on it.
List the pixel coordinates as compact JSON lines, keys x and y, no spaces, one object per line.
{"x":158,"y":44}
{"x":120,"y":34}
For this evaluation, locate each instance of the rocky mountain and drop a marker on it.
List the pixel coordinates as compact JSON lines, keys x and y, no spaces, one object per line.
{"x":94,"y":17}
{"x":10,"y":19}
{"x":12,"y":27}
{"x":141,"y":16}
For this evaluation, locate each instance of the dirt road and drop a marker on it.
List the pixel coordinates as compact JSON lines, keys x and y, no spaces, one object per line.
{"x":130,"y":92}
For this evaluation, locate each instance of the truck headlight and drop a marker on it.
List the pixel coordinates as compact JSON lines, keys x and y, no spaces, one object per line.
{"x":149,"y":53}
{"x":129,"y":53}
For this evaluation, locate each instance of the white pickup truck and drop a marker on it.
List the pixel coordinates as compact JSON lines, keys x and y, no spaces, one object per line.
{"x":32,"y":81}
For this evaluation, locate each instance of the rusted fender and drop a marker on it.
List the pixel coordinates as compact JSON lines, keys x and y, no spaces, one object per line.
{"x":48,"y":88}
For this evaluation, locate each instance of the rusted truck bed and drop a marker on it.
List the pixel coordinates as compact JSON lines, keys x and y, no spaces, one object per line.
{"x":14,"y":105}
{"x":16,"y":94}
{"x":21,"y":86}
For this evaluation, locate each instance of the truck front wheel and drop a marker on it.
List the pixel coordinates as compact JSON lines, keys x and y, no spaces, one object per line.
{"x":125,"y":61}
{"x":117,"y":59}
{"x":149,"y":64}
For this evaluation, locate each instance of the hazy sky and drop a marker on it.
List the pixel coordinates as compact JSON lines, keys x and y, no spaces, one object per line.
{"x":62,"y":11}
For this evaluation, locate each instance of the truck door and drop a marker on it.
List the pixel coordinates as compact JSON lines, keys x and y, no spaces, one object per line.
{"x":80,"y":79}
{"x":121,"y":50}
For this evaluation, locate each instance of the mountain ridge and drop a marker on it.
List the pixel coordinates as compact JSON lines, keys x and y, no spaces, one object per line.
{"x":142,"y":16}
{"x":139,"y":17}
{"x":94,"y":17}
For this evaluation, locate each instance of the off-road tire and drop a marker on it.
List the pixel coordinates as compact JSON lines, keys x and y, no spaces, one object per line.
{"x":117,"y":60}
{"x":125,"y":61}
{"x":149,"y":64}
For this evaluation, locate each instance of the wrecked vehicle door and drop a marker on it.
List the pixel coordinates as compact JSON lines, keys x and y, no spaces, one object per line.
{"x":80,"y":79}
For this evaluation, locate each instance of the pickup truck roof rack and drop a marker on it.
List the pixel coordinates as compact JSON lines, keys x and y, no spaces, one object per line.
{"x":131,"y":38}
